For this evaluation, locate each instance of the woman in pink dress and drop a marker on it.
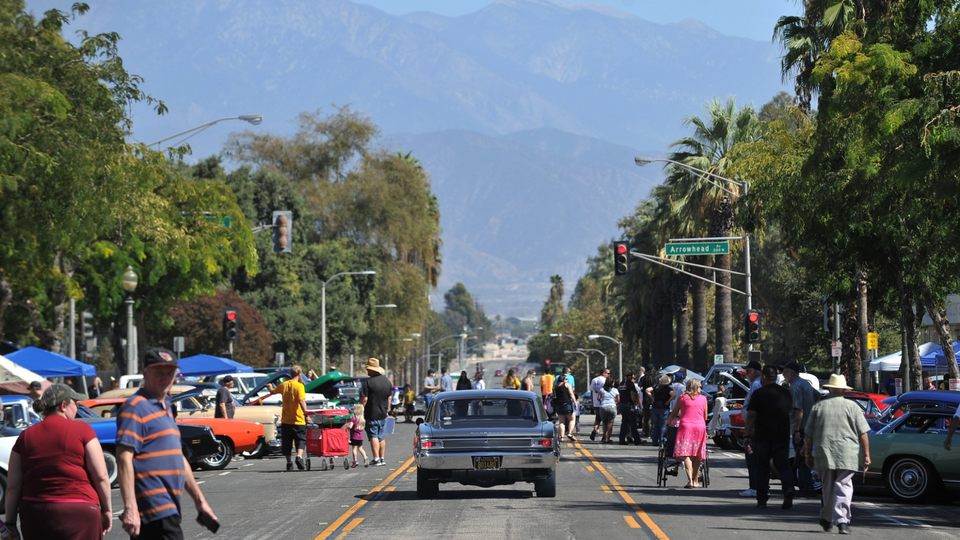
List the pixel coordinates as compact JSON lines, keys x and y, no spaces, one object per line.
{"x":691,"y":445}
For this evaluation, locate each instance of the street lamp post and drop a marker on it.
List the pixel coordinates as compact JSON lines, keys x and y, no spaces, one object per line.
{"x":585,"y":355}
{"x":619,"y":349}
{"x":716,"y":180}
{"x":129,"y":281}
{"x":254,"y":119}
{"x":323,"y":315}
{"x":601,"y":354}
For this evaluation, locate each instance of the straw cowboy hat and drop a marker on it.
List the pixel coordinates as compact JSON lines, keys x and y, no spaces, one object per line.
{"x":837,"y":381}
{"x":373,"y":365}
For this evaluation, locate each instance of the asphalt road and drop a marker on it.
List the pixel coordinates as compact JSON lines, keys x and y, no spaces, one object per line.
{"x":604,"y":491}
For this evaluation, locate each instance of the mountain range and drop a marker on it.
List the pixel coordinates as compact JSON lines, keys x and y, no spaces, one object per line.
{"x":527,"y":113}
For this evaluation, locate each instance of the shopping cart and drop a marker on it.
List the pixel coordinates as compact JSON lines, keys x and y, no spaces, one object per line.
{"x":327,"y":442}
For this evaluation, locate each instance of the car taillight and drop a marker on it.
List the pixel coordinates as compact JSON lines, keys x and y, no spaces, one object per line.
{"x":543,"y":442}
{"x":430,"y":444}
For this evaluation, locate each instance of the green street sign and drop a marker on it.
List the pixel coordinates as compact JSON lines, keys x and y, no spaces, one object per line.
{"x":698,"y":248}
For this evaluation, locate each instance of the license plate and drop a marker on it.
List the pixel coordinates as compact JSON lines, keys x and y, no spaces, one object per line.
{"x":491,"y":463}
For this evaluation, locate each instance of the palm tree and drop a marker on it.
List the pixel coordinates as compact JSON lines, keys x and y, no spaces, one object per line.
{"x":553,"y":308}
{"x":707,"y":149}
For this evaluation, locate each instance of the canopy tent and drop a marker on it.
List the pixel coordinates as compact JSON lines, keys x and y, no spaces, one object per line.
{"x":204,"y":364}
{"x":941,"y":360}
{"x":16,"y":379}
{"x":50,"y":364}
{"x":891,"y":362}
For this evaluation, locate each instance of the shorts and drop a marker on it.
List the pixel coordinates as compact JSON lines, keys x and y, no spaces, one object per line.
{"x":356,"y":442}
{"x":608,"y":414}
{"x":374,"y":429}
{"x":291,"y":434}
{"x":79,"y":520}
{"x":168,"y":528}
{"x":565,"y":409}
{"x":408,"y":408}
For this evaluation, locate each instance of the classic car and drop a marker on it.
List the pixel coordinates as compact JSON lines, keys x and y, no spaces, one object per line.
{"x":486,"y":438}
{"x":919,"y":399}
{"x":197,"y":401}
{"x":259,"y":395}
{"x":908,"y":457}
{"x":233,"y":435}
{"x":872,"y":405}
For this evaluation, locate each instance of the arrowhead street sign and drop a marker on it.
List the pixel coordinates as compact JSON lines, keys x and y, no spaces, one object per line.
{"x":698,"y":248}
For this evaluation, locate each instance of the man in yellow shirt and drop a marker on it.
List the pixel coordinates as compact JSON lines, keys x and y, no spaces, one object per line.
{"x":408,"y":399}
{"x":293,"y":425}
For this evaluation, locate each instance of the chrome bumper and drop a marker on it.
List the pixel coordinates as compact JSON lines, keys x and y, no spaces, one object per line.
{"x":509,"y":460}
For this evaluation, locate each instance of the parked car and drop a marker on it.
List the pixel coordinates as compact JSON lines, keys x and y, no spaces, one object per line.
{"x":232,"y":435}
{"x":586,"y":403}
{"x":919,"y":399}
{"x":197,"y":401}
{"x":486,"y":438}
{"x":498,"y":373}
{"x":909,"y":459}
{"x":872,"y":406}
{"x":259,"y":395}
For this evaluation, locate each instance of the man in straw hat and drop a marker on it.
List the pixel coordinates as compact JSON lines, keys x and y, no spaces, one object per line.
{"x":375,"y":398}
{"x":836,"y":431}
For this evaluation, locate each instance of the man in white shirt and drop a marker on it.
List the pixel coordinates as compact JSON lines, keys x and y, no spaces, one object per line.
{"x":429,"y":387}
{"x":595,"y":386}
{"x":446,"y":381}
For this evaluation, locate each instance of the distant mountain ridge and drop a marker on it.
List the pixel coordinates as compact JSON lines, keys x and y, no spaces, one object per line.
{"x":527,"y":113}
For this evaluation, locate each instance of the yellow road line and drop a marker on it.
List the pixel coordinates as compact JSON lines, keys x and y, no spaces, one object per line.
{"x":346,"y":515}
{"x":631,"y":522}
{"x":625,"y":496}
{"x":605,"y":489}
{"x":590,"y":468}
{"x":353,"y":524}
{"x":391,"y":488}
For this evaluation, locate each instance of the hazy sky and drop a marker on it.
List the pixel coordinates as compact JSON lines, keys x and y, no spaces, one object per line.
{"x":752,"y":19}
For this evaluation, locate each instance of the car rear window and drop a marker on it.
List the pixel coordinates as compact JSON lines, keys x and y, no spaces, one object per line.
{"x":478,"y":410}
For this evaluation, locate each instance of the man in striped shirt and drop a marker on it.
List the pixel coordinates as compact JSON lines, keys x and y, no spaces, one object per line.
{"x":153,"y":471}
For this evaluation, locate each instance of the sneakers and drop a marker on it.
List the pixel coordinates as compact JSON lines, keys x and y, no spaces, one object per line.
{"x":289,"y":466}
{"x":761,"y":505}
{"x":365,"y":463}
{"x":354,"y":465}
{"x":300,"y":463}
{"x":843,"y":528}
{"x":378,"y":462}
{"x":787,"y":500}
{"x":748,"y":493}
{"x":826,"y":525}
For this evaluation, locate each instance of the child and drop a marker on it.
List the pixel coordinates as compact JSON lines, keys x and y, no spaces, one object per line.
{"x":355,"y":426}
{"x":408,"y":398}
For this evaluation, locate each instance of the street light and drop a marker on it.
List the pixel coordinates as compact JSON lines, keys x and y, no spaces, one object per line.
{"x":254,"y":119}
{"x":715,"y":179}
{"x":323,"y":315}
{"x":601,"y":354}
{"x":585,"y":355}
{"x":129,"y":281}
{"x":619,"y":345}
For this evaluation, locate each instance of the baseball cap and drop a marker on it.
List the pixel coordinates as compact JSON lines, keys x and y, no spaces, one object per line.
{"x":55,"y":394}
{"x":35,"y":384}
{"x":227,"y":379}
{"x":753,"y":364}
{"x":159,"y":356}
{"x":794,"y":366}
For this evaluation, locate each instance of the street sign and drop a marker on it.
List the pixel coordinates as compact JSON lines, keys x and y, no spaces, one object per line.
{"x":836,"y":349}
{"x":718,"y":359}
{"x":873,"y":341}
{"x":698,"y":248}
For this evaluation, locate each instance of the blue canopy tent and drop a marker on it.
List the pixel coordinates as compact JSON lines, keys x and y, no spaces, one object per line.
{"x":204,"y":364}
{"x":50,"y":364}
{"x":941,"y":359}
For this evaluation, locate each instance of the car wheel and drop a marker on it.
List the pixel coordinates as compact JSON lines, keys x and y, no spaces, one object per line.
{"x":112,"y":468}
{"x":259,"y":452}
{"x":736,"y":443}
{"x":910,"y":479}
{"x":219,"y":460}
{"x":722,"y":442}
{"x":548,"y":486}
{"x":426,"y":488}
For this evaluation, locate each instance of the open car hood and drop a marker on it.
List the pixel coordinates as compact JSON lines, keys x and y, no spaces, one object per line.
{"x":321,"y":385}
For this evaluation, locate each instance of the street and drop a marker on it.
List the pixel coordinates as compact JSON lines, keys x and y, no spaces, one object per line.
{"x":604,"y":490}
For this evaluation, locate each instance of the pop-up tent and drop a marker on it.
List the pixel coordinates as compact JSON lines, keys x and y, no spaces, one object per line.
{"x":204,"y":364}
{"x":891,"y":362}
{"x":15,"y":379}
{"x":50,"y":364}
{"x":940,"y":359}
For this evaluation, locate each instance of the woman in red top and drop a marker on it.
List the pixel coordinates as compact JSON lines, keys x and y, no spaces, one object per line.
{"x":58,"y":479}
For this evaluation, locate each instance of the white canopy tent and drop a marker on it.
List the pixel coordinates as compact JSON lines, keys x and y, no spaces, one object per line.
{"x":891,"y":362}
{"x":14,"y":378}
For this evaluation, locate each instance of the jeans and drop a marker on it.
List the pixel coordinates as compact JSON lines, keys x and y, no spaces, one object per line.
{"x":779,"y":452}
{"x":751,"y":458}
{"x":628,"y":423}
{"x":659,"y":423}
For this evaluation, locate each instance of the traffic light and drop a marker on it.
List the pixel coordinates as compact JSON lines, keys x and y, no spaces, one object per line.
{"x":753,"y":326}
{"x":621,"y":258}
{"x":230,"y":329}
{"x":282,"y":231}
{"x":89,"y":331}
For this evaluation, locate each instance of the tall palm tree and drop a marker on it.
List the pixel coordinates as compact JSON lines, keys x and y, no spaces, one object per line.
{"x":708,"y":149}
{"x":553,"y":308}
